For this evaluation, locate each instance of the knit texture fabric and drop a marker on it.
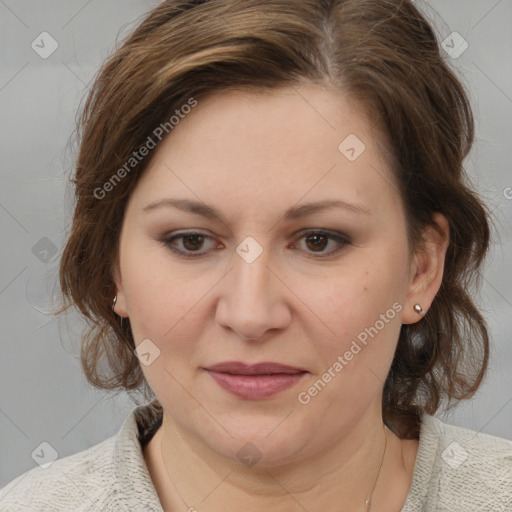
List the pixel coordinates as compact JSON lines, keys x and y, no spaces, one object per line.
{"x":456,"y":470}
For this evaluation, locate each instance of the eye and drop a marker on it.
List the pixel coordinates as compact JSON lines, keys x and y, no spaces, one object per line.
{"x":190,"y":244}
{"x":317,"y":240}
{"x":191,"y":241}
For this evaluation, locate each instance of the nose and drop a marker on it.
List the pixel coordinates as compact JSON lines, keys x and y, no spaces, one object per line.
{"x":253,"y":299}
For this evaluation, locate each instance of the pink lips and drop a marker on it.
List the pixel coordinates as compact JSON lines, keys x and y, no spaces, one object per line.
{"x":255,"y":382}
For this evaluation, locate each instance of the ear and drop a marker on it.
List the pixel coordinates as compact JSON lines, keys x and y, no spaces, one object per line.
{"x":427,"y":269}
{"x":120,"y":305}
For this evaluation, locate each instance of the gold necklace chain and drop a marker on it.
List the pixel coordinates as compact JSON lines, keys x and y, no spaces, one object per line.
{"x":368,"y":502}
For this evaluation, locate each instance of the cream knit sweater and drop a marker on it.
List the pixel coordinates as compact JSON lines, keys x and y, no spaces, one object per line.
{"x":456,"y":470}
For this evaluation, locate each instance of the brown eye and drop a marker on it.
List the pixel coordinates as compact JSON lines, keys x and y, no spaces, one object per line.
{"x":188,"y":244}
{"x":317,"y":242}
{"x":193,"y":242}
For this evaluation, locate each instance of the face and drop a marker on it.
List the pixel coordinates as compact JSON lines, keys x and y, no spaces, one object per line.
{"x":269,"y":277}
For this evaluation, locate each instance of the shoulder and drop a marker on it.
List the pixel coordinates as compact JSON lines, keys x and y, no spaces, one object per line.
{"x":458,"y":469}
{"x":63,"y":484}
{"x":110,"y":475}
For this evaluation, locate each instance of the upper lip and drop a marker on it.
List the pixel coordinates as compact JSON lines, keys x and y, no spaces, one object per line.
{"x":240,"y":368}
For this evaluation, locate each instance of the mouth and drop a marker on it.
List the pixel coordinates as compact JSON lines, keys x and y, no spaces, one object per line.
{"x":257,"y":381}
{"x":264,"y":368}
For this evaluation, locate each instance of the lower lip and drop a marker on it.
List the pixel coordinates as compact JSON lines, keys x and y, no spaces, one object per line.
{"x":255,"y":387}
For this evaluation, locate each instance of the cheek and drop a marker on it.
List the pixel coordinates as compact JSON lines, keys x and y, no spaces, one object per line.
{"x":362,"y":309}
{"x":365,"y":318}
{"x":159,"y":300}
{"x":163,"y":308}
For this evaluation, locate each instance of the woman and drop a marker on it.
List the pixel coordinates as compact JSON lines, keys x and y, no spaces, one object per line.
{"x":275,"y":239}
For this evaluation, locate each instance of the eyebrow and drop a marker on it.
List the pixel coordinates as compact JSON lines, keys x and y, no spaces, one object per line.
{"x":293,"y":213}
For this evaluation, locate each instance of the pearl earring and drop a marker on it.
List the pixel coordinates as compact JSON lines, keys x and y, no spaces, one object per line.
{"x":114,"y":302}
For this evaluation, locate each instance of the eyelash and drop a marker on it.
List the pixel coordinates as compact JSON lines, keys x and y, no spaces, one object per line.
{"x":340,"y":238}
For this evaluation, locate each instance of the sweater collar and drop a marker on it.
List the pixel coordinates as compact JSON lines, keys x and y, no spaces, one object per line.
{"x":129,"y":464}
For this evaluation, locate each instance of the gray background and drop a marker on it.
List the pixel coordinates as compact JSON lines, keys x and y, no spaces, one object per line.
{"x":43,"y":394}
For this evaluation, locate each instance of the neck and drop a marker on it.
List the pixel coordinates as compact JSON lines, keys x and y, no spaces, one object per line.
{"x":190,"y":475}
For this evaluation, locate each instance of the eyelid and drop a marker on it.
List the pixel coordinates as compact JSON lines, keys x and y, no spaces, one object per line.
{"x":321,"y":231}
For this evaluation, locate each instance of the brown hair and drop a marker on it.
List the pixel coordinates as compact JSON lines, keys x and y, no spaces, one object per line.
{"x":382,"y":53}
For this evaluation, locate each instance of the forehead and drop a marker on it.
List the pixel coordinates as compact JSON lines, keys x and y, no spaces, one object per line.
{"x":266,"y":149}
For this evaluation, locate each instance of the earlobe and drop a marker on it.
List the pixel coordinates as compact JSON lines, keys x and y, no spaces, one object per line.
{"x":119,"y":304}
{"x":427,"y":270}
{"x":118,"y":301}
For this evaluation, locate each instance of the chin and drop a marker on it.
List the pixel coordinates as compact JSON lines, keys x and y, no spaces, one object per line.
{"x":258,"y":443}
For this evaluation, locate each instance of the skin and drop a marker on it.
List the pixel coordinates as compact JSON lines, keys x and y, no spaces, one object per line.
{"x":252,"y":156}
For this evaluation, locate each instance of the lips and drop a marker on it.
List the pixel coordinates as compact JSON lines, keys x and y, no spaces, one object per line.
{"x":257,"y":381}
{"x":265,"y":368}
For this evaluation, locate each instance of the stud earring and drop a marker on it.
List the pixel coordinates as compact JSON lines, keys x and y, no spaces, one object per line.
{"x":418,"y":309}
